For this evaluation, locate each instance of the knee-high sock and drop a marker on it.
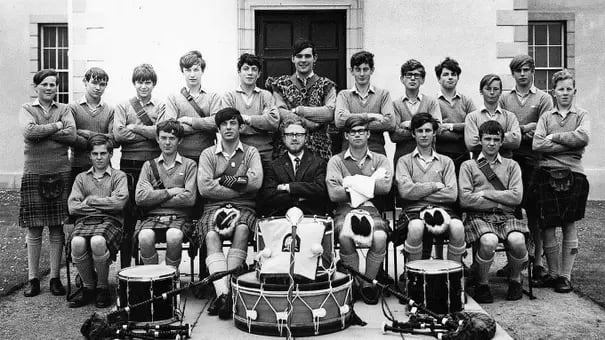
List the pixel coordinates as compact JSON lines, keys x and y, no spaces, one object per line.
{"x":154,"y":259}
{"x":350,"y":259}
{"x":34,"y":246}
{"x":516,"y":265}
{"x":85,"y":269}
{"x":455,"y":253}
{"x":235,"y":257}
{"x":483,"y":268}
{"x":102,"y":267}
{"x":373,"y":263}
{"x":216,"y":263}
{"x":552,"y":259}
{"x":414,"y":252}
{"x":172,"y":262}
{"x":569,"y":253}
{"x":56,"y":238}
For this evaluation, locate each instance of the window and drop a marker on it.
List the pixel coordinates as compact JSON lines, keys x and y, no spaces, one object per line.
{"x":53,"y":49}
{"x":546,"y":44}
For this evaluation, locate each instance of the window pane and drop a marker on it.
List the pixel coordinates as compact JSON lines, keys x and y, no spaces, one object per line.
{"x":64,"y":81}
{"x":49,"y":35}
{"x":554,"y":55}
{"x":531,"y":52}
{"x":63,"y":98}
{"x":62,"y":60}
{"x":46,"y":59}
{"x":62,"y":36}
{"x":540,"y":79}
{"x":530,"y":34}
{"x":554,"y":34}
{"x":540,"y":56}
{"x":540,"y":34}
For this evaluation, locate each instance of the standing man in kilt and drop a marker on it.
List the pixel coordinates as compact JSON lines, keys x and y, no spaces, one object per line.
{"x":561,"y":136}
{"x":134,"y":128}
{"x":229,"y":176}
{"x":166,"y":191}
{"x":490,"y":189}
{"x":97,"y":199}
{"x":307,"y":95}
{"x":48,"y":129}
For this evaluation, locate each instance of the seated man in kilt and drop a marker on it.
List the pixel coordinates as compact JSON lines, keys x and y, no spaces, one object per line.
{"x":230,"y":173}
{"x":426,"y":180}
{"x":345,"y":174}
{"x":97,"y":199}
{"x":490,"y":189}
{"x":561,"y":135}
{"x":166,"y":192}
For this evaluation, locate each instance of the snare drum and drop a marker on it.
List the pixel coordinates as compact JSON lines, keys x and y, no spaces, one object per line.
{"x":140,"y":283}
{"x":438,"y":284}
{"x":318,"y":308}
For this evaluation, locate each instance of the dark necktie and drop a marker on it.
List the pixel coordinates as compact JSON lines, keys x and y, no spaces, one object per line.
{"x":296,"y":164}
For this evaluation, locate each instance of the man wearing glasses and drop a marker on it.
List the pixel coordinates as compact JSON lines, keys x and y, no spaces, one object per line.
{"x":296,"y":178}
{"x":412,"y":102}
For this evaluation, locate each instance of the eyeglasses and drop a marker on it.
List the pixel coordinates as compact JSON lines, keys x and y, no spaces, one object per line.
{"x":358,"y":132}
{"x":411,"y":75}
{"x":297,"y":135}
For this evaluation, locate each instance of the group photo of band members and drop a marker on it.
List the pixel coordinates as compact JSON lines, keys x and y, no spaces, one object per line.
{"x":203,"y":168}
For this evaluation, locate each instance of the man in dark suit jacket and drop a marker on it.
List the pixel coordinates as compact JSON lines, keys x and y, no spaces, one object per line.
{"x":296,"y":178}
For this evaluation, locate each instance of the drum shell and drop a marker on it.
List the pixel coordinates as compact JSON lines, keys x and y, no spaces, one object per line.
{"x":248,"y":292}
{"x":133,"y":289}
{"x":441,"y":290}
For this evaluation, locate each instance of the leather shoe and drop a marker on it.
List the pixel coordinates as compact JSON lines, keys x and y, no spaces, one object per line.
{"x":483,"y":294}
{"x":225,"y":309}
{"x":546,"y":282}
{"x":103,"y":299}
{"x":369,"y":294}
{"x":86,"y":296}
{"x":515,"y":291}
{"x":33,"y":288}
{"x":56,"y":287}
{"x":539,"y":274}
{"x":213,"y":307}
{"x":563,"y":285}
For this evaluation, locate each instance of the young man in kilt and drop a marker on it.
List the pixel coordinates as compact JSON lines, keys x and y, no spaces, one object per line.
{"x":166,"y":192}
{"x":426,"y":180}
{"x":561,"y":136}
{"x":97,"y":200}
{"x":48,"y":129}
{"x":490,"y":207}
{"x":341,"y":176}
{"x":134,"y":129}
{"x":229,"y":176}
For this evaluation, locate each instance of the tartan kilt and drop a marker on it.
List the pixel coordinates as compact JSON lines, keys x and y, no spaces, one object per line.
{"x":108,"y":227}
{"x":318,"y":142}
{"x":401,"y":227}
{"x":36,"y":211}
{"x":206,"y":222}
{"x":160,"y":224}
{"x":499,"y":223}
{"x":379,"y":222}
{"x":556,"y":208}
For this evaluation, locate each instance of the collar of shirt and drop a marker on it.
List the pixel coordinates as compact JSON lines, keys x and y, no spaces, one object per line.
{"x":371,"y":89}
{"x":107,"y":171}
{"x":440,"y":95}
{"x":360,"y":161}
{"x":497,"y":160}
{"x":292,"y":157}
{"x":432,"y":157}
{"x":418,"y":99}
{"x":219,"y":150}
{"x":305,"y":80}
{"x":241,"y":90}
{"x":92,"y":107}
{"x":532,"y":89}
{"x":197,"y":95}
{"x":572,"y":109}
{"x":151,"y":101}
{"x":177,"y":159}
{"x":498,"y":110}
{"x":37,"y":103}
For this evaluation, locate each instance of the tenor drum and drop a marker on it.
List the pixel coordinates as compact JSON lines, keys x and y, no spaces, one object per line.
{"x":140,"y":283}
{"x":438,"y":284}
{"x":318,"y":308}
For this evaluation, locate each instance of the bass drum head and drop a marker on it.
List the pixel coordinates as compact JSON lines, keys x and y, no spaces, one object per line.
{"x":146,"y":273}
{"x":433,"y":266}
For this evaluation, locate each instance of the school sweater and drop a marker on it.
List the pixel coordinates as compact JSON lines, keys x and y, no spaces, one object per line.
{"x":180,"y":175}
{"x":46,"y":146}
{"x":87,"y":124}
{"x":263,"y":115}
{"x":570,"y":136}
{"x":202,"y":133}
{"x":453,"y":112}
{"x":509,"y":122}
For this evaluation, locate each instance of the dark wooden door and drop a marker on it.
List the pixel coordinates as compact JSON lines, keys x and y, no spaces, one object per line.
{"x":276,"y":32}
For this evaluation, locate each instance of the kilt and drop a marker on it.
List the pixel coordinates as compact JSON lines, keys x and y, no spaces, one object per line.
{"x":379,"y":222}
{"x":401,"y":227}
{"x":36,"y":211}
{"x":160,"y":224}
{"x":556,"y":208}
{"x":206,"y":222}
{"x":108,"y":227}
{"x":496,"y":222}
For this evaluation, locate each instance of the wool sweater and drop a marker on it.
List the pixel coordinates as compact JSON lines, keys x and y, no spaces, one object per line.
{"x":455,"y":113}
{"x":509,"y":122}
{"x":89,"y":123}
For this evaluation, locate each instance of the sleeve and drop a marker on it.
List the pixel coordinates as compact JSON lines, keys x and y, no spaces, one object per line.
{"x":449,"y":193}
{"x":149,"y":132}
{"x":383,"y":185}
{"x":172,"y":111}
{"x":312,"y":189}
{"x":207,"y":185}
{"x":321,"y":114}
{"x":334,"y":178}
{"x":341,"y":113}
{"x":208,"y":123}
{"x":268,"y":194}
{"x":118,"y":198}
{"x":408,"y":189}
{"x":254,"y":172}
{"x":268,"y":120}
{"x":577,"y":138}
{"x":67,"y":135}
{"x":187,"y":197}
{"x":145,"y":194}
{"x":33,"y":131}
{"x":512,"y":134}
{"x":435,"y":110}
{"x":540,"y":143}
{"x":469,"y":198}
{"x":284,"y":112}
{"x":120,"y":132}
{"x":399,"y":134}
{"x":75,"y":202}
{"x":513,"y":194}
{"x":471,"y":133}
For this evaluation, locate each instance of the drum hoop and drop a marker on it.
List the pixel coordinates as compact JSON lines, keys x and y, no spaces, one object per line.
{"x":145,"y":278}
{"x":332,"y":285}
{"x":453,"y":269}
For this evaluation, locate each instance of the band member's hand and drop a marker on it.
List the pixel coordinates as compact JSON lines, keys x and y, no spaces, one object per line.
{"x":446,"y":127}
{"x":247,"y":119}
{"x":59,"y":125}
{"x":406,"y":124}
{"x":130,"y":127}
{"x":549,"y":137}
{"x":481,"y":193}
{"x":175,"y":191}
{"x":283,"y":187}
{"x":375,"y":116}
{"x":185,"y":120}
{"x":528,"y":127}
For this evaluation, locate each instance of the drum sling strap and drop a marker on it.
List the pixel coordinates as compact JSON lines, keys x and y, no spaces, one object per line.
{"x":192,"y":101}
{"x":351,"y":165}
{"x":491,"y":176}
{"x":140,"y":111}
{"x":234,"y":163}
{"x":157,"y":183}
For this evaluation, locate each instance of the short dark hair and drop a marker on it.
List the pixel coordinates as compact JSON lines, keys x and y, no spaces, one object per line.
{"x":192,"y":58}
{"x":488,"y":79}
{"x":301,"y":44}
{"x":100,"y":139}
{"x":422,"y":118}
{"x":562,"y":75}
{"x":362,"y":57}
{"x":226,"y":114}
{"x":520,"y":60}
{"x":450,"y":64}
{"x":291,"y":121}
{"x":250,"y":59}
{"x":96,"y":74}
{"x":491,"y":127}
{"x":170,"y":126}
{"x":412,"y":65}
{"x":143,"y":73}
{"x":40,"y":75}
{"x":355,"y":120}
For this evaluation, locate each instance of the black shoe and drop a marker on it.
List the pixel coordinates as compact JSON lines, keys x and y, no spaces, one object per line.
{"x":213,"y":307}
{"x":56,"y":287}
{"x":225,"y":309}
{"x":504,"y":271}
{"x":483,"y":294}
{"x":103,"y":299}
{"x":515,"y":291}
{"x":538,"y":275}
{"x":384,"y":278}
{"x":563,"y":285}
{"x":33,"y":288}
{"x":547,"y":281}
{"x":369,"y":294}
{"x":86,"y":296}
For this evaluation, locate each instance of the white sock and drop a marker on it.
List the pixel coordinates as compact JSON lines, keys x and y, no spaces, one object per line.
{"x":216,"y":262}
